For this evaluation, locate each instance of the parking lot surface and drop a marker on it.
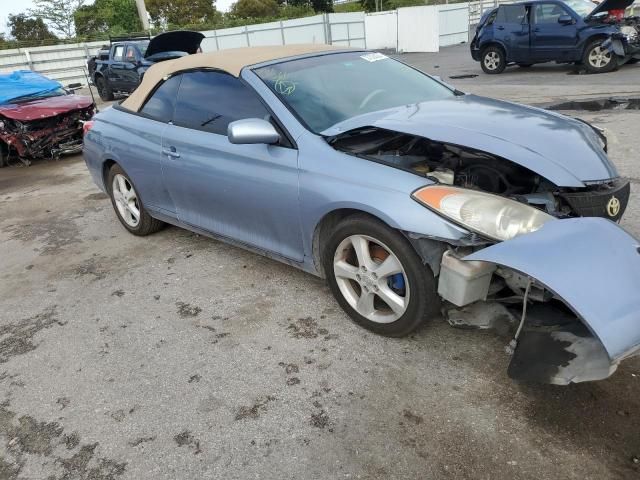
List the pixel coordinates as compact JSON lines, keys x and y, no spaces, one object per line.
{"x":176,"y":356}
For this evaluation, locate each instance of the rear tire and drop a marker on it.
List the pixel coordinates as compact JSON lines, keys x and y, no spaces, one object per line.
{"x":396,"y":276}
{"x":493,"y":60}
{"x":596,"y":60}
{"x":104,"y":89}
{"x":128,"y":207}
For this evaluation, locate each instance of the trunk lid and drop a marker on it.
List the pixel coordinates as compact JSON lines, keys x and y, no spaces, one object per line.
{"x":185,"y":41}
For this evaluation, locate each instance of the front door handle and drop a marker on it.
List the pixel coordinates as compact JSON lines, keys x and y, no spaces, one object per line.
{"x":171,"y":152}
{"x":500,"y":28}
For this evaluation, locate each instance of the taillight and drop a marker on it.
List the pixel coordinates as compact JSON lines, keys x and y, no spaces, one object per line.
{"x":86,"y":126}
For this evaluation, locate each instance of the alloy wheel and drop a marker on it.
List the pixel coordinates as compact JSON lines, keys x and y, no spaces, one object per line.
{"x":491,"y":60}
{"x":371,"y":279}
{"x":599,"y":57}
{"x":126,"y":200}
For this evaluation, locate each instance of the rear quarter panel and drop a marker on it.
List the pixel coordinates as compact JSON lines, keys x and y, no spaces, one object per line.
{"x":135,"y":143}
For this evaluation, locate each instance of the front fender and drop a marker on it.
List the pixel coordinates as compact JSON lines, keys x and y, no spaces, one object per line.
{"x":614,"y":45}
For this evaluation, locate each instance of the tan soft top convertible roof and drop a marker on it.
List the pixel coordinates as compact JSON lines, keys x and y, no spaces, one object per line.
{"x":231,"y":61}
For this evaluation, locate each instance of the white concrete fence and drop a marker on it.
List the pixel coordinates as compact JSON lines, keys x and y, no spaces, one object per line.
{"x":410,"y":29}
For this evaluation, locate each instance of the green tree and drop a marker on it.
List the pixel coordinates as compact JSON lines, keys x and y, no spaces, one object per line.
{"x":316,"y":5}
{"x":107,"y":16}
{"x":24,"y":28}
{"x":165,"y":13}
{"x":254,"y":8}
{"x":57,"y":14}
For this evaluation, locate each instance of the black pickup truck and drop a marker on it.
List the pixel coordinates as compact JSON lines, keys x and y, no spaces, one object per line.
{"x":120,"y":68}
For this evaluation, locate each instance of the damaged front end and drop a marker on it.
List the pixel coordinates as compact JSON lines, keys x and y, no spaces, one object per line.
{"x":30,"y":131}
{"x":568,"y":288}
{"x":528,"y":185}
{"x":625,"y":43}
{"x":455,"y":165}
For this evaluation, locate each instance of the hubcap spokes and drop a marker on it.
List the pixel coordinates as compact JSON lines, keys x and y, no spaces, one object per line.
{"x":599,"y":57}
{"x":491,"y":60}
{"x":364,"y":268}
{"x":126,"y":200}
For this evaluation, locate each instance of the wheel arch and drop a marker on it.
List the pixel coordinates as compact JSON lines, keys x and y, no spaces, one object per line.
{"x":430,"y":251}
{"x":106,"y":166}
{"x":494,"y":43}
{"x":587,"y":41}
{"x":325,"y":226}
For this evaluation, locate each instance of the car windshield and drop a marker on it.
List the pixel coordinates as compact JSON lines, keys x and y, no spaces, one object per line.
{"x":328,"y":89}
{"x":38,"y":96}
{"x":581,"y":7}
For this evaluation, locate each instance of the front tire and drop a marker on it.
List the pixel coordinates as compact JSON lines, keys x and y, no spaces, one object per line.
{"x":128,"y":205}
{"x":493,"y":60}
{"x":377,"y":277}
{"x":597,"y":60}
{"x":104,"y":90}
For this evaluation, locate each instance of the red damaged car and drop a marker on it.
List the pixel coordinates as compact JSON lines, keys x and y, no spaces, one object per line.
{"x":39,"y":118}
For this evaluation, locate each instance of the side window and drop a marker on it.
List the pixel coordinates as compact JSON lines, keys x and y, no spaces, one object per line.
{"x":492,"y":18}
{"x":209,"y":101}
{"x":512,"y":14}
{"x":549,"y":13}
{"x":130,"y":56}
{"x":159,"y":106}
{"x":118,"y":53}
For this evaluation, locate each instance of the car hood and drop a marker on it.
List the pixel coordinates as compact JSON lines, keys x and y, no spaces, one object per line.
{"x":45,"y":107}
{"x":177,"y":41}
{"x":561,"y":149}
{"x":608,"y":5}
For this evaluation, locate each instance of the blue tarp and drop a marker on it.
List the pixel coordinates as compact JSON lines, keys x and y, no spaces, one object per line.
{"x":24,"y":82}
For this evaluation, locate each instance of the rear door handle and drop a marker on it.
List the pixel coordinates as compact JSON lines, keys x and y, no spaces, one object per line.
{"x":500,"y":28}
{"x":171,"y":152}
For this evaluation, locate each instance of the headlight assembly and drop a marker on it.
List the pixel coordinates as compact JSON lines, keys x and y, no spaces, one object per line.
{"x":489,"y":215}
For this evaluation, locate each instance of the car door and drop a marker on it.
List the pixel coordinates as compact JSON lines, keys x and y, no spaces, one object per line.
{"x":144,"y":162}
{"x":248,"y":193}
{"x":116,"y":67}
{"x":552,"y":40}
{"x":511,"y":29}
{"x":129,"y":72}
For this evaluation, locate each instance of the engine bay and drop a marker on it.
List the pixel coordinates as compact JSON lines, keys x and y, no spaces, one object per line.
{"x":449,"y":164}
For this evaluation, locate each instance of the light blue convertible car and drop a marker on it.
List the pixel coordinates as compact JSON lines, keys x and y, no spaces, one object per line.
{"x":410,"y":197}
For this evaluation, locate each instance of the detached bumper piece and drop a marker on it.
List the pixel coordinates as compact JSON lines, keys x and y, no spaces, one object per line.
{"x":556,"y":348}
{"x":608,"y":200}
{"x":590,"y":321}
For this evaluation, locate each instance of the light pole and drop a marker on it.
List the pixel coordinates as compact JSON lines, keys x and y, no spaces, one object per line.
{"x":142,"y":13}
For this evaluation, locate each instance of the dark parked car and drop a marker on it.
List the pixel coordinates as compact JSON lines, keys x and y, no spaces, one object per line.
{"x":121,"y":68}
{"x":575,"y":31}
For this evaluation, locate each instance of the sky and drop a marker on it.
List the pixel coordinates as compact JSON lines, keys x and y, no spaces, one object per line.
{"x":12,"y":7}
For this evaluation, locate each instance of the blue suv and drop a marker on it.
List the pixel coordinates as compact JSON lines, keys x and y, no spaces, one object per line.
{"x":576,"y":31}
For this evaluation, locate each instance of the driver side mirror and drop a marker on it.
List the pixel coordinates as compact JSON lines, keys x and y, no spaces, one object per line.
{"x":252,"y":130}
{"x":565,"y":20}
